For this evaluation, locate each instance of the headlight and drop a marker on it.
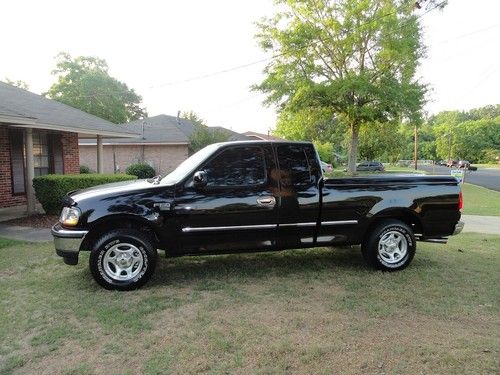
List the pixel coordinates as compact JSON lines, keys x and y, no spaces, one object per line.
{"x":70,"y":216}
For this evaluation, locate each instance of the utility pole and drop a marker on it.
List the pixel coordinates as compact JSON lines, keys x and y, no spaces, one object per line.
{"x":415,"y":153}
{"x":449,"y":146}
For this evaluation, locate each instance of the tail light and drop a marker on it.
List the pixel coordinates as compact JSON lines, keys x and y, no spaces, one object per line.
{"x":460,"y":201}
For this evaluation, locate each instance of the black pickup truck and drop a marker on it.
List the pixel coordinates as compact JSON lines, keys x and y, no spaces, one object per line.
{"x":252,"y":196}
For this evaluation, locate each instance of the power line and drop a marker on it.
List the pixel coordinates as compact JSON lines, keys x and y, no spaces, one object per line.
{"x":468,"y":34}
{"x":208,"y":75}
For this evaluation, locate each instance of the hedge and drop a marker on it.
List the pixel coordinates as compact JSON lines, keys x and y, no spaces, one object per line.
{"x":51,"y":189}
{"x":84,"y":169}
{"x":141,"y":170}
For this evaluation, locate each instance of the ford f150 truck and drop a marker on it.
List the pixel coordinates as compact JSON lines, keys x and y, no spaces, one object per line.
{"x":252,"y":196}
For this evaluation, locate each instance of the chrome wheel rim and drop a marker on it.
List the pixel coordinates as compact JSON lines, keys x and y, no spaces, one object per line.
{"x":123,"y":261}
{"x":392,"y":247}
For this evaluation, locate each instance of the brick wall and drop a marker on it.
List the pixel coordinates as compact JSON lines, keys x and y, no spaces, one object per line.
{"x":6,"y":197}
{"x":71,"y":155}
{"x":163,"y":159}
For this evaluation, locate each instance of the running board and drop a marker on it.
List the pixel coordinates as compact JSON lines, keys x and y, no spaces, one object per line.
{"x":442,"y":240}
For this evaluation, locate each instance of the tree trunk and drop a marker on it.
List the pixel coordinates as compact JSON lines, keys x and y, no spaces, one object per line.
{"x":353,"y":149}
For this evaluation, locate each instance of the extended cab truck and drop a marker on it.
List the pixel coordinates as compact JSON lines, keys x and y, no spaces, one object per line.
{"x":252,"y":196}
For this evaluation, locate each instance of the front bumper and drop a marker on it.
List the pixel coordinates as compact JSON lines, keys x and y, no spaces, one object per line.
{"x":67,"y":243}
{"x":458,"y":228}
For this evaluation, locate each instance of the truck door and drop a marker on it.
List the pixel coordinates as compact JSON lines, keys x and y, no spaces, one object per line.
{"x":299,"y":198}
{"x":237,"y":208}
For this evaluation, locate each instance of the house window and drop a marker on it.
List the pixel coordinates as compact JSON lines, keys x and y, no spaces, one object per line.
{"x":41,"y":153}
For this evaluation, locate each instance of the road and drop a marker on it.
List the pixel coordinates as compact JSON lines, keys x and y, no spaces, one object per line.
{"x":487,"y":177}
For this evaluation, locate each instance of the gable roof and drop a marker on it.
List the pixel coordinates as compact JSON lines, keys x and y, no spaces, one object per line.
{"x":26,"y":109}
{"x":161,"y":129}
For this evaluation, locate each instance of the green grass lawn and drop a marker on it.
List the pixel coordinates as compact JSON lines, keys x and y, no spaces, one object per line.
{"x":305,"y":311}
{"x":5,"y":242}
{"x":480,"y":201}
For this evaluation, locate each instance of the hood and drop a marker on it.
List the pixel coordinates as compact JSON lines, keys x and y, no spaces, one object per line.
{"x":111,"y":189}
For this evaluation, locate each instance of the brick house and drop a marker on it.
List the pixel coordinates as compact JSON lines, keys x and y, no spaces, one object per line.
{"x":39,"y":136}
{"x":163,"y":144}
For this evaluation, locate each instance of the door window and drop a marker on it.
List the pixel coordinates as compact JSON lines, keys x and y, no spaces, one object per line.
{"x":237,"y":166}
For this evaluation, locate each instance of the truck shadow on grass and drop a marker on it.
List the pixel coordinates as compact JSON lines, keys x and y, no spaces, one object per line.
{"x":305,"y":264}
{"x":318,"y":263}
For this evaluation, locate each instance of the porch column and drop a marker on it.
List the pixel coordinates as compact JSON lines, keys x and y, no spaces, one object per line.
{"x":30,"y":172}
{"x":100,"y":157}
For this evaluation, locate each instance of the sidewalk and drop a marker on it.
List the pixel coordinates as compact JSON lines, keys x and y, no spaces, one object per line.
{"x":481,"y":224}
{"x":15,"y":232}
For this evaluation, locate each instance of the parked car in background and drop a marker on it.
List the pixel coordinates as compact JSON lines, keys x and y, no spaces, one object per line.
{"x":325,"y":167}
{"x":440,"y":162}
{"x":374,"y":166}
{"x":463,"y":164}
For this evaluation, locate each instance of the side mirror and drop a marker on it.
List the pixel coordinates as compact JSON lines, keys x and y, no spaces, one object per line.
{"x":200,"y":179}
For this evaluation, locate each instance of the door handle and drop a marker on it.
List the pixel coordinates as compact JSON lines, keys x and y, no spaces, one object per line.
{"x":266,"y":201}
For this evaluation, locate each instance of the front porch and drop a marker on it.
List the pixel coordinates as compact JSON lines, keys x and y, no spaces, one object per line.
{"x":39,"y":136}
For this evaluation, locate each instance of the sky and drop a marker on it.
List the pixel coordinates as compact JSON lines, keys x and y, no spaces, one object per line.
{"x":162,"y":48}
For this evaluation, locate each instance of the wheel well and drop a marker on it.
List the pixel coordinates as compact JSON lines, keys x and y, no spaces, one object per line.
{"x":406,"y":216}
{"x":105,"y":225}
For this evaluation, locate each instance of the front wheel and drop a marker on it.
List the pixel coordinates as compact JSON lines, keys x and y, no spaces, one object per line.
{"x":123,"y":259}
{"x":390,"y":246}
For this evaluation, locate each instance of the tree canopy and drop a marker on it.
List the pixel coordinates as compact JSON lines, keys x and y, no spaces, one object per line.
{"x":19,"y":83}
{"x":348,"y":60}
{"x":84,"y":82}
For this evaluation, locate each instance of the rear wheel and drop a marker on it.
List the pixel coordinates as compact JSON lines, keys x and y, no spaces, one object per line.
{"x":390,"y":246}
{"x":123,"y":259}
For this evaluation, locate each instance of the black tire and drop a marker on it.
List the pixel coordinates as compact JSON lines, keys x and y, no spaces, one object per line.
{"x":389,"y":256}
{"x":141,"y":261}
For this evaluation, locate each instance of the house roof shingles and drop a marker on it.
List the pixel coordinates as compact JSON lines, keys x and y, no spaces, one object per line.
{"x":44,"y":113}
{"x":162,"y":129}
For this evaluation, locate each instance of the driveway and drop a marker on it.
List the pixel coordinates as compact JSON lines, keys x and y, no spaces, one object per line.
{"x":486,"y":177}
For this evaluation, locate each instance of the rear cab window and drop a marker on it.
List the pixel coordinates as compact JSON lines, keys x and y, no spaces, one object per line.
{"x":298,"y":164}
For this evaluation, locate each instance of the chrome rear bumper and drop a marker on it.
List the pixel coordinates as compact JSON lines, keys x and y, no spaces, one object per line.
{"x":458,"y":228}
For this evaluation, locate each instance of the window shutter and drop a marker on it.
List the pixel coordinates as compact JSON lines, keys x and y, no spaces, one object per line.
{"x":57,"y":155}
{"x":17,"y":161}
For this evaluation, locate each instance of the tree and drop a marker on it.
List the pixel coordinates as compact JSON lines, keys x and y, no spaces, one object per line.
{"x":381,"y":141}
{"x":203,"y":135}
{"x":84,"y":83}
{"x":355,"y":59}
{"x":19,"y":83}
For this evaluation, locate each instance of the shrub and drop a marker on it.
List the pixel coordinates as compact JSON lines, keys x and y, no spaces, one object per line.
{"x":141,"y":170}
{"x":84,"y":169}
{"x":51,"y":189}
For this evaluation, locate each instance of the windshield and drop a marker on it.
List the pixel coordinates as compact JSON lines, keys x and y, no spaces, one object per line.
{"x":188,"y":165}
